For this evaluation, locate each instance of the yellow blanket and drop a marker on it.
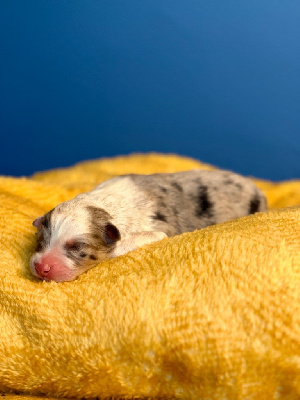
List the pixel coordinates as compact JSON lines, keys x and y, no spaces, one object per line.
{"x":212,"y":314}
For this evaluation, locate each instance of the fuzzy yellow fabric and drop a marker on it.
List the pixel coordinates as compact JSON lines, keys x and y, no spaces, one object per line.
{"x":212,"y":314}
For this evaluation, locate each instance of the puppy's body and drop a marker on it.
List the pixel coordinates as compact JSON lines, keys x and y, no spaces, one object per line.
{"x":131,"y":210}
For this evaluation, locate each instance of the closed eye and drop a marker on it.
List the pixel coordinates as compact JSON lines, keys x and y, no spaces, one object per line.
{"x":74,"y":246}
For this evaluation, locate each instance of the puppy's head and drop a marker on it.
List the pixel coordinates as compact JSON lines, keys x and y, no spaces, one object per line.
{"x":72,"y":238}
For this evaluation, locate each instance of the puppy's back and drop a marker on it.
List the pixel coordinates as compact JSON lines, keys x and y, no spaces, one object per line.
{"x":190,"y":200}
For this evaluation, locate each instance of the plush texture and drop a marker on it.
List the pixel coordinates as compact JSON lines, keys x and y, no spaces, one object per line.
{"x":212,"y":314}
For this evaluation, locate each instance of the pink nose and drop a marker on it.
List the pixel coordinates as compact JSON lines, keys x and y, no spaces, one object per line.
{"x":52,"y":267}
{"x":42,"y":269}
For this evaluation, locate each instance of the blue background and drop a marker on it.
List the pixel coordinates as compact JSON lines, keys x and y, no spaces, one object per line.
{"x":215,"y":80}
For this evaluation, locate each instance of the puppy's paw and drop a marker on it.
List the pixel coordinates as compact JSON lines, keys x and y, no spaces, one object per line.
{"x":137,"y":240}
{"x":158,"y":236}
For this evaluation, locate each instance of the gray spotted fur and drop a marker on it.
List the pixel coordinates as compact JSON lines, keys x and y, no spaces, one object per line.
{"x":186,"y":201}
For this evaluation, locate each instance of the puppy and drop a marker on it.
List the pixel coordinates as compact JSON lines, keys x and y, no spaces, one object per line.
{"x":129,"y":211}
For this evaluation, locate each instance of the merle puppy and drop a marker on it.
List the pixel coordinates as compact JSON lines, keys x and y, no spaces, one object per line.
{"x":129,"y":211}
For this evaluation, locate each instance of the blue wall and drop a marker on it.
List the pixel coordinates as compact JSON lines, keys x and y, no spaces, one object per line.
{"x":215,"y":80}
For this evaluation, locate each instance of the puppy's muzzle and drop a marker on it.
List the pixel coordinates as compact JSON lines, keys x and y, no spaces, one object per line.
{"x":51,"y":267}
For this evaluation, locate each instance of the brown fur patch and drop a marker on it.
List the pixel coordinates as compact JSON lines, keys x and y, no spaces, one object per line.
{"x":96,"y":248}
{"x":44,"y":233}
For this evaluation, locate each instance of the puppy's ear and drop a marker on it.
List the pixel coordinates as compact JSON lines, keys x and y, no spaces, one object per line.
{"x":111,"y":234}
{"x":38,"y":222}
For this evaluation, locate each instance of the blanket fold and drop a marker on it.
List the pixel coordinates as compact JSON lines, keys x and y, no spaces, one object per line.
{"x":211,"y":314}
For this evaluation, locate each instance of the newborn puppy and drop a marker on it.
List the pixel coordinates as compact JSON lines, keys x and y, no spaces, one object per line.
{"x":129,"y":211}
